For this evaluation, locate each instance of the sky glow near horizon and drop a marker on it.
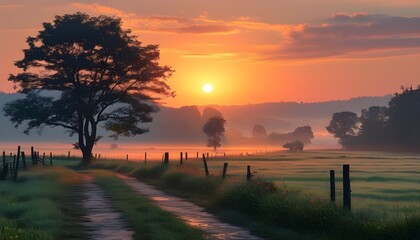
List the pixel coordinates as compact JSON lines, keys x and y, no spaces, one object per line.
{"x":252,"y":52}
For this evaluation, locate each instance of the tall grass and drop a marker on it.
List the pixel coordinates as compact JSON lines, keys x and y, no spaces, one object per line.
{"x":263,"y":201}
{"x":39,"y":205}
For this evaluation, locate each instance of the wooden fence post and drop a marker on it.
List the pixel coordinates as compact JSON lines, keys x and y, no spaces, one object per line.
{"x":207,"y":155}
{"x":32,"y":155}
{"x":12,"y":167}
{"x":248,"y":172}
{"x":145,"y":157}
{"x":225,"y":165}
{"x":186,"y":156}
{"x":43,"y":158}
{"x":197,"y":155}
{"x":4,"y":159}
{"x":205,"y":165}
{"x":332,"y":186}
{"x":17,"y":165}
{"x":166,"y":158}
{"x":23,"y":159}
{"x":346,"y":187}
{"x":126,"y":157}
{"x":68,"y":154}
{"x":50,"y":158}
{"x":180,"y":158}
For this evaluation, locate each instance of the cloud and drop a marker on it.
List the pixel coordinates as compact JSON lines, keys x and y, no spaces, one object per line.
{"x":342,"y":35}
{"x":349,"y":34}
{"x":163,"y":24}
{"x":11,"y":6}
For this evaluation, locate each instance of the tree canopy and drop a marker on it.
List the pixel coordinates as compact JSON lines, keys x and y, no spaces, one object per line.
{"x":295,"y":146}
{"x":82,"y":72}
{"x":394,"y":127}
{"x":214,"y":129}
{"x":343,"y":125}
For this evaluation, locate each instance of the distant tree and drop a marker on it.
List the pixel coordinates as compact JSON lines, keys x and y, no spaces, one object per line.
{"x":404,"y":117}
{"x":295,"y":146}
{"x":259,"y":132}
{"x":304,"y":134}
{"x":83,"y":72}
{"x":343,"y":126}
{"x":214,"y":129}
{"x":373,"y":125}
{"x":210,"y":112}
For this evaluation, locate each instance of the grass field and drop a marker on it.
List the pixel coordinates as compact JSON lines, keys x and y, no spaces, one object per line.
{"x":40,"y":205}
{"x":384,"y":182}
{"x":387,"y":183}
{"x":385,"y":201}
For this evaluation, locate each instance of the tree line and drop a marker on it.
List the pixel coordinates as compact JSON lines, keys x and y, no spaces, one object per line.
{"x":392,"y":127}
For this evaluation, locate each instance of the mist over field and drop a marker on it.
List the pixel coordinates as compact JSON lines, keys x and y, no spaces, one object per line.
{"x":183,"y":126}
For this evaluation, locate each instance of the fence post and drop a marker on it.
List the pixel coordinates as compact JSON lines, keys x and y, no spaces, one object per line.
{"x":4,"y":159}
{"x":126,"y":157}
{"x":17,"y":164}
{"x":145,"y":157}
{"x":68,"y":154}
{"x":186,"y":156}
{"x":180,"y":158}
{"x":166,"y":158}
{"x":205,"y":165}
{"x":23,"y":159}
{"x":346,"y":187}
{"x":50,"y":158}
{"x":12,"y":167}
{"x":207,"y":155}
{"x":225,"y":165}
{"x":197,"y":155}
{"x":32,"y":155}
{"x":248,"y":172}
{"x":332,"y":185}
{"x":43,"y":158}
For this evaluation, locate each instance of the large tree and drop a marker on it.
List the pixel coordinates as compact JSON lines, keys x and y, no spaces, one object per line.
{"x":344,"y":126}
{"x":83,"y":72}
{"x":214,"y":129}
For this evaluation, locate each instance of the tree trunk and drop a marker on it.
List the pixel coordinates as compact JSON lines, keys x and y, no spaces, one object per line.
{"x":87,"y":157}
{"x":87,"y":140}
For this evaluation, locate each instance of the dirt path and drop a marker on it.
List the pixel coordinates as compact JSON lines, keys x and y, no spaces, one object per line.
{"x":191,"y":213}
{"x":101,"y":220}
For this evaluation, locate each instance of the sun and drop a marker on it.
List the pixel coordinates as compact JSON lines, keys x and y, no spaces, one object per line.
{"x":207,"y":88}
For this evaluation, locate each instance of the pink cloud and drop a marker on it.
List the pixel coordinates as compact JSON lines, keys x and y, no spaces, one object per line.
{"x":341,"y":35}
{"x":349,"y":34}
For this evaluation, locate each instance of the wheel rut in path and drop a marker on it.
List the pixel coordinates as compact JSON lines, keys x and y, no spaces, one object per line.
{"x":191,"y":213}
{"x":101,"y":220}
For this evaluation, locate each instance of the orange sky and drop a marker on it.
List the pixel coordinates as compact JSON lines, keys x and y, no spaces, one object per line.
{"x":252,"y":51}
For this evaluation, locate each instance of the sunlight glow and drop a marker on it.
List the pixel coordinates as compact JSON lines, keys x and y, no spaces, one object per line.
{"x":207,"y":88}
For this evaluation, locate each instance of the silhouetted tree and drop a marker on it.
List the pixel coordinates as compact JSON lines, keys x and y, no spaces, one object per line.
{"x":210,"y":112}
{"x":214,"y":129}
{"x":404,"y":117}
{"x":294,"y":146}
{"x":82,"y":72}
{"x":373,"y":125}
{"x":304,"y":134}
{"x":259,"y":132}
{"x":343,"y":126}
